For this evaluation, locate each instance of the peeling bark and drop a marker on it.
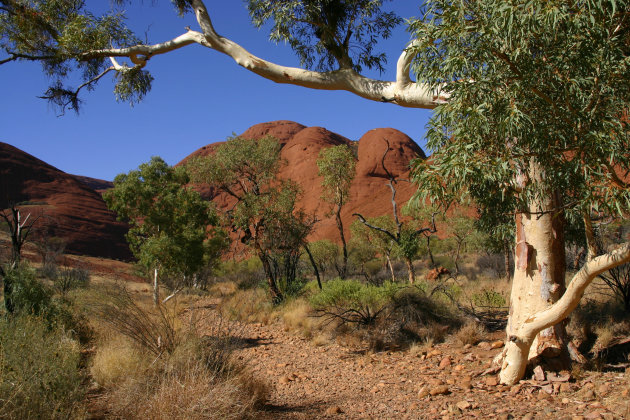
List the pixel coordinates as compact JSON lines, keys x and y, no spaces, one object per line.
{"x":540,"y":302}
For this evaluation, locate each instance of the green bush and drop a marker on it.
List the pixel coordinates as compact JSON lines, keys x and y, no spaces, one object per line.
{"x":489,"y":299}
{"x":350,"y":301}
{"x":39,"y":370}
{"x":29,"y":296}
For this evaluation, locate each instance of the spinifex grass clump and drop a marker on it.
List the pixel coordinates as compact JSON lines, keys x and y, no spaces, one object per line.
{"x":39,"y":370}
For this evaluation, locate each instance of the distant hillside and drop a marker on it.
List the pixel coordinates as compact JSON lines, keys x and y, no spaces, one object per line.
{"x":369,"y":194}
{"x":66,"y":207}
{"x":97,"y":185}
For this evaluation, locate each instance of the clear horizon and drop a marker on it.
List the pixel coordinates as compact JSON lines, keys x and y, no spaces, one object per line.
{"x":199,"y":97}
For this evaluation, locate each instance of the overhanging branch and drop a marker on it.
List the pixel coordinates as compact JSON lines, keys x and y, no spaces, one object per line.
{"x":402,"y":92}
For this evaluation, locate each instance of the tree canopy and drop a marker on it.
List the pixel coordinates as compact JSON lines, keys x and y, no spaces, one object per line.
{"x":539,"y":81}
{"x":261,"y":208}
{"x":169,"y":221}
{"x":77,"y":47}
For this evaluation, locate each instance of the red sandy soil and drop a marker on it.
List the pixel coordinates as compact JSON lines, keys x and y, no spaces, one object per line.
{"x":445,"y":381}
{"x":65,"y":206}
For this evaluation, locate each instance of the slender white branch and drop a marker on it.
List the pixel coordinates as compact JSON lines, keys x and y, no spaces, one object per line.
{"x":403,"y":65}
{"x":402,"y":92}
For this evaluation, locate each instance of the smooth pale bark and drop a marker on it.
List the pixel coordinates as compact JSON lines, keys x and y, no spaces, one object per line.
{"x":391,"y":268}
{"x":403,"y":91}
{"x":156,"y":288}
{"x":522,"y":337}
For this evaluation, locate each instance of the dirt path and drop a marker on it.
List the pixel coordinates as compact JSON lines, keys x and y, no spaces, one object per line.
{"x":332,"y":381}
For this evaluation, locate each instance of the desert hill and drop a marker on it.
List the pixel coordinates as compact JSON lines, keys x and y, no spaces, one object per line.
{"x":67,"y":207}
{"x":71,"y":207}
{"x":369,"y":193}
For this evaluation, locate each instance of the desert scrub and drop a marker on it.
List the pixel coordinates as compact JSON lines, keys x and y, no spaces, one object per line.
{"x":39,"y":370}
{"x":251,"y":305}
{"x":349,"y":301}
{"x":198,"y":379}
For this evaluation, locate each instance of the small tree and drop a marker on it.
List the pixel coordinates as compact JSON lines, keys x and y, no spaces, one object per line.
{"x":262,"y":208}
{"x":20,"y":227}
{"x":402,"y":235}
{"x":378,"y":240}
{"x":463,"y":236}
{"x":337,"y":166}
{"x":169,"y":220}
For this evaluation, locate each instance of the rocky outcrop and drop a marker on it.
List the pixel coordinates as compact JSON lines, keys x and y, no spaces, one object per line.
{"x":369,"y":194}
{"x":65,"y":206}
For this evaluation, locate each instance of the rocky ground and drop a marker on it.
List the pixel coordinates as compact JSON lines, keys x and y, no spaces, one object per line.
{"x":445,"y":381}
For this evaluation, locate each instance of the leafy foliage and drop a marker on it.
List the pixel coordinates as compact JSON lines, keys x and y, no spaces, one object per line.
{"x":263,"y":210}
{"x":169,"y":220}
{"x":353,"y":302}
{"x":330,"y":33}
{"x":337,"y":166}
{"x":39,"y":370}
{"x":540,"y":83}
{"x":57,"y":34}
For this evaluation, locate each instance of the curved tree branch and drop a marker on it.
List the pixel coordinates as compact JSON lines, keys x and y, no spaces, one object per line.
{"x":380,"y":229}
{"x":402,"y":92}
{"x":519,"y":343}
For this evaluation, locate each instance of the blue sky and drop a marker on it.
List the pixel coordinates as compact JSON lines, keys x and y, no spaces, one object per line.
{"x":199,"y":96}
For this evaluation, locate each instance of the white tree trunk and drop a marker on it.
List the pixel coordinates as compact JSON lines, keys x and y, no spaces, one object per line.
{"x":539,"y":303}
{"x":156,"y":288}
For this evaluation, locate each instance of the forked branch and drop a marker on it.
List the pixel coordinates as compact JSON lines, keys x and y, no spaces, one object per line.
{"x":403,"y":91}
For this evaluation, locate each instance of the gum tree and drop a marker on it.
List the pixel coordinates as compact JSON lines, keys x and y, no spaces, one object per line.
{"x":337,"y":166}
{"x":336,"y":38}
{"x":261,"y":209}
{"x":169,"y":221}
{"x":534,"y":127}
{"x":535,"y":92}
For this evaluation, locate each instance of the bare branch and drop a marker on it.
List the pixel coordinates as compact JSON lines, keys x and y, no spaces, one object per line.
{"x":407,"y":93}
{"x":571,"y":297}
{"x":17,"y":56}
{"x":64,"y":98}
{"x":380,"y":229}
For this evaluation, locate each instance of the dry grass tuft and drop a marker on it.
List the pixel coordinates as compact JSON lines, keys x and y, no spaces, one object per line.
{"x":296,"y":316}
{"x":116,"y":360}
{"x":188,"y":391}
{"x":470,"y":333}
{"x":252,"y":305}
{"x":223,"y":288}
{"x":422,"y":347}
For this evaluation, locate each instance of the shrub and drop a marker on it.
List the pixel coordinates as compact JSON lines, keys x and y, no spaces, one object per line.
{"x":71,"y":278}
{"x":27,"y":295}
{"x":39,"y":370}
{"x":412,"y":317}
{"x":154,"y":330}
{"x":350,"y":301}
{"x":488,"y":299}
{"x":198,"y":379}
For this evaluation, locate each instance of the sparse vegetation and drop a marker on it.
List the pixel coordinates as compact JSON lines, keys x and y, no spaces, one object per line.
{"x":40,"y":374}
